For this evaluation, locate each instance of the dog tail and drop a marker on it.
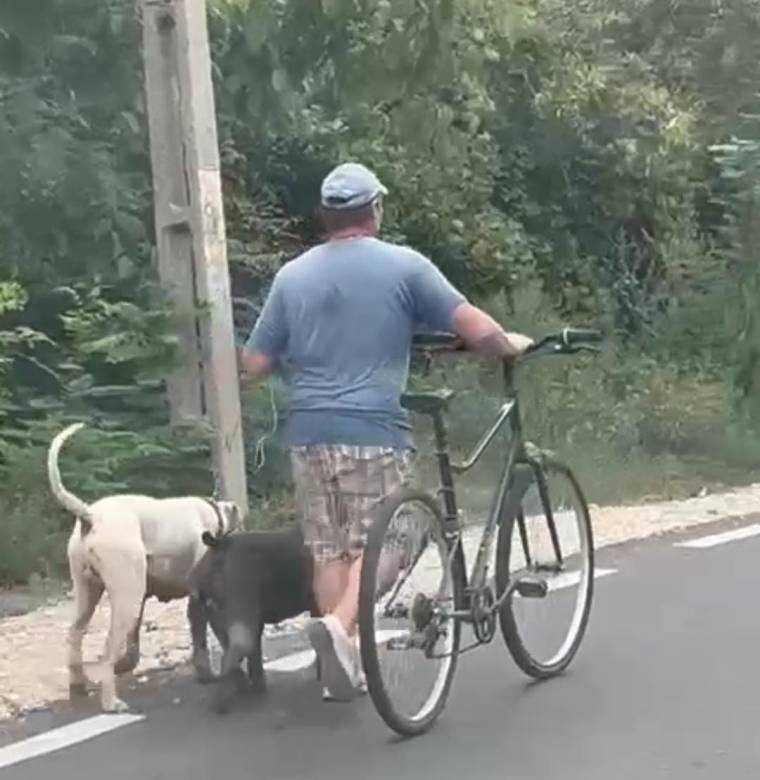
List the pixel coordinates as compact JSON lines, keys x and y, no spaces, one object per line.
{"x":67,"y":500}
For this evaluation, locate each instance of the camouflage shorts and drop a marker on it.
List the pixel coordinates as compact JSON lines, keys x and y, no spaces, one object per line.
{"x":337,"y":487}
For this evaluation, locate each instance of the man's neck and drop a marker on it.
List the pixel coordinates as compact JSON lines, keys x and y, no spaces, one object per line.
{"x":357,"y":231}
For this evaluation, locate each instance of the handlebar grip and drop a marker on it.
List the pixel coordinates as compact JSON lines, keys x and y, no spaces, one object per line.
{"x":575,"y":336}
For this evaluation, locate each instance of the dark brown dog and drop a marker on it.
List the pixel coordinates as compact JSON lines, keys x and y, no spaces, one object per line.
{"x":243,"y":582}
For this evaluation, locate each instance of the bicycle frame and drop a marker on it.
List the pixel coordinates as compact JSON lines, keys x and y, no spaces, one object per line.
{"x":509,"y":493}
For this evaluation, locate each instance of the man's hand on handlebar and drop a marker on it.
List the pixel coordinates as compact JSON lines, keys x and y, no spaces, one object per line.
{"x":484,"y":337}
{"x":499,"y":345}
{"x":496,"y":345}
{"x":519,"y":344}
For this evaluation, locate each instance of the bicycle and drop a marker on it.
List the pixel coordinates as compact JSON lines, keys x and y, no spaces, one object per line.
{"x":415,"y":594}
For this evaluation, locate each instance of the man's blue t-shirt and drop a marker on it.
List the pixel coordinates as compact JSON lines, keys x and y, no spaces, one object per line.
{"x":338,"y":323}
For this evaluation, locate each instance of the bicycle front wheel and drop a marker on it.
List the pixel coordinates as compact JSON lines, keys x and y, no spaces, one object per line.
{"x":411,"y":582}
{"x":545,"y":550}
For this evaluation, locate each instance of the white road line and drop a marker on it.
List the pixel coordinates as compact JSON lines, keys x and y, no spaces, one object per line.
{"x":570,"y":578}
{"x":64,"y":736}
{"x":291,"y":663}
{"x":303,"y":659}
{"x":723,"y":538}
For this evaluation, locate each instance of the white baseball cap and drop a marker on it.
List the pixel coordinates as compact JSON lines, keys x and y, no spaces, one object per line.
{"x":350,"y":186}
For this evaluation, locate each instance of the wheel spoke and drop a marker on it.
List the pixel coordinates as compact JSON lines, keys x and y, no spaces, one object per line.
{"x":547,"y":549}
{"x":407,"y":593}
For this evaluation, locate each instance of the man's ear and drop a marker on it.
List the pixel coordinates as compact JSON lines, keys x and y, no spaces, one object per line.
{"x":377,"y":208}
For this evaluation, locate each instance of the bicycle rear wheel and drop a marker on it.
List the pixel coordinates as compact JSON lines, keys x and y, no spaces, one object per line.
{"x":547,"y":547}
{"x":410,"y":584}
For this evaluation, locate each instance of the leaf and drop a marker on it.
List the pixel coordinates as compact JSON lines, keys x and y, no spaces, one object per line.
{"x":130,"y":227}
{"x":331,"y":7}
{"x":13,"y":297}
{"x":279,"y":80}
{"x":65,"y":45}
{"x":47,"y":404}
{"x":131,"y":121}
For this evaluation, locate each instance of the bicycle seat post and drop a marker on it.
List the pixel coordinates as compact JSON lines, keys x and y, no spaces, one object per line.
{"x":451,"y":519}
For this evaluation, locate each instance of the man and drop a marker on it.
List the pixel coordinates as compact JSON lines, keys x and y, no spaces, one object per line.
{"x":337,"y":324}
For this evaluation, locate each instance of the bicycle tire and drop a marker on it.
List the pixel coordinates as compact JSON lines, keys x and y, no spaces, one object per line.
{"x":404,"y":723}
{"x":511,"y":631}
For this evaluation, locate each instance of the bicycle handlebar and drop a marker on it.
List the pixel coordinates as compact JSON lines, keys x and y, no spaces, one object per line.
{"x":435,"y":339}
{"x":572,"y":336}
{"x":567,"y":342}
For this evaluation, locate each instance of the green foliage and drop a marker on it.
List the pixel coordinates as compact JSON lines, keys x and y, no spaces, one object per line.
{"x":303,"y":86}
{"x":590,"y":162}
{"x":739,"y":162}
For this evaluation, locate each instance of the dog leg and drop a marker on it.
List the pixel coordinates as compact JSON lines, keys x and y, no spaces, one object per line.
{"x":129,"y":661}
{"x":198,"y":619}
{"x":241,"y":642}
{"x":125,"y":580}
{"x":216,"y":619}
{"x":255,"y":661}
{"x":87,"y":593}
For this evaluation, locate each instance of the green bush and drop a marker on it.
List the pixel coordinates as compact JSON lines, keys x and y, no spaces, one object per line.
{"x":567,"y":163}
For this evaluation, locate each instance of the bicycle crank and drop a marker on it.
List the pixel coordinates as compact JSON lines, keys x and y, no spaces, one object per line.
{"x":483,"y":614}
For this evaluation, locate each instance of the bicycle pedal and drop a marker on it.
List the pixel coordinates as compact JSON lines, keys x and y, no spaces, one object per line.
{"x":532,"y":588}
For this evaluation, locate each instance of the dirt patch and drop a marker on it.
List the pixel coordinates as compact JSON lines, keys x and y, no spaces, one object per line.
{"x":613,"y":524}
{"x":33,"y":646}
{"x":33,"y":650}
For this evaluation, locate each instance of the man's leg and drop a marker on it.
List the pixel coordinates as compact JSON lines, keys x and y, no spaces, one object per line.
{"x":363,"y":485}
{"x":363,"y":482}
{"x":320,"y":513}
{"x":337,"y":489}
{"x":347,"y":608}
{"x":330,"y":583}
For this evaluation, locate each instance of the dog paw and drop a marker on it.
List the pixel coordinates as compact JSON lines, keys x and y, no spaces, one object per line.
{"x":77,"y":690}
{"x":222,"y":701}
{"x":204,"y":676}
{"x":258,"y":685}
{"x":116,"y":707}
{"x":202,"y":667}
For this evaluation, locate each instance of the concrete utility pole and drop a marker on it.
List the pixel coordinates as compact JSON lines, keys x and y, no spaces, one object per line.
{"x":190,"y":233}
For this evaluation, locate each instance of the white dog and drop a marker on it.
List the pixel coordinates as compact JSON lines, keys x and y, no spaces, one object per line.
{"x":133,"y":547}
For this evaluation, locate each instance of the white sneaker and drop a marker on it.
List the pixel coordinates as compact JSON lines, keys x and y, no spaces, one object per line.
{"x":361,"y":679}
{"x":336,"y":654}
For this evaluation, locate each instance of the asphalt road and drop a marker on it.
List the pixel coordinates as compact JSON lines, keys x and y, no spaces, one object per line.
{"x":666,"y":685}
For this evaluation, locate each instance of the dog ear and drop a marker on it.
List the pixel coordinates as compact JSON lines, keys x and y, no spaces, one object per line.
{"x":209,"y":539}
{"x":232,"y":515}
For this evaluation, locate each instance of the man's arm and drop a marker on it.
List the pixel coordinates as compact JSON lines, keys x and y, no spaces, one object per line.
{"x":269,"y":337}
{"x":441,"y":306}
{"x":484,"y":336}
